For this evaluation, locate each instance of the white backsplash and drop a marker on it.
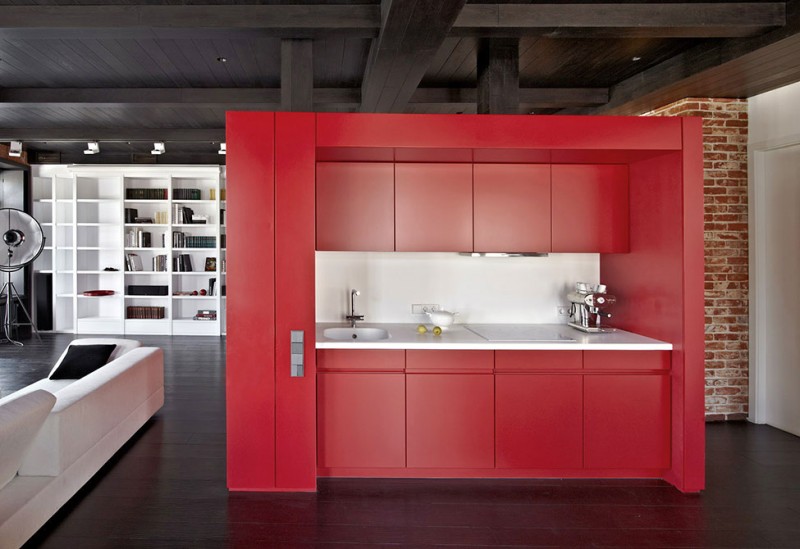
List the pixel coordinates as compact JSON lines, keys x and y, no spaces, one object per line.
{"x":481,"y":289}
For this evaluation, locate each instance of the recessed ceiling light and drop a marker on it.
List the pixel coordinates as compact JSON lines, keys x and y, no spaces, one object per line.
{"x":223,"y":148}
{"x":222,"y":59}
{"x":636,"y":58}
{"x":15,"y":148}
{"x":93,"y":147}
{"x":158,"y":148}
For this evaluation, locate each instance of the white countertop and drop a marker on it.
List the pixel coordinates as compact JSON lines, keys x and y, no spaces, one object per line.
{"x":405,"y":336}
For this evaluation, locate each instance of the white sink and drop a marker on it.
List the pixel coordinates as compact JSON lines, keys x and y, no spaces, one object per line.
{"x":356,"y":334}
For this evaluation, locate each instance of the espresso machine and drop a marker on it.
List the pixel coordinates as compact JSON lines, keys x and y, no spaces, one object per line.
{"x":587,"y":307}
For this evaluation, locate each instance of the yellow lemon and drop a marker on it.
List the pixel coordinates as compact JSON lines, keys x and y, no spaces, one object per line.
{"x":437,"y":331}
{"x":421,"y":329}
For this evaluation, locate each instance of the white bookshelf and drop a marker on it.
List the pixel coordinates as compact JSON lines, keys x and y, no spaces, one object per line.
{"x":83,"y":213}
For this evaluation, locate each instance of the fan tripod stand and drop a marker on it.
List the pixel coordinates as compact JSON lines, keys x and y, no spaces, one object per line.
{"x":11,"y":295}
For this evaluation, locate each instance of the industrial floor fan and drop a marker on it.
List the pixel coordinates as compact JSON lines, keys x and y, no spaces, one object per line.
{"x":24,"y":238}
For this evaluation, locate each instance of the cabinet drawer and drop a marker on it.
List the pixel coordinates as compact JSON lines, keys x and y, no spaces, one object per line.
{"x":370,"y":360}
{"x":521,"y":361}
{"x":453,"y":361}
{"x":626,"y":360}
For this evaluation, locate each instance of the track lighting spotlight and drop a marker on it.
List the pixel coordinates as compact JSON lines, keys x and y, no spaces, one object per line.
{"x":222,"y":149}
{"x":93,"y":147}
{"x":158,"y":148}
{"x":15,"y":149}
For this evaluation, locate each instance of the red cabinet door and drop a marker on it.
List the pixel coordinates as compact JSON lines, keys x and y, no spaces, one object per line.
{"x":450,"y":420}
{"x":433,"y":207}
{"x":361,"y":420}
{"x":539,"y":421}
{"x":626,"y":421}
{"x":512,"y":207}
{"x":355,"y":206}
{"x":590,"y":208}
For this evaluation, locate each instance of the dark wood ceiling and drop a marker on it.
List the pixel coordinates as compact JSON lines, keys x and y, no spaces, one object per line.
{"x":129,"y":72}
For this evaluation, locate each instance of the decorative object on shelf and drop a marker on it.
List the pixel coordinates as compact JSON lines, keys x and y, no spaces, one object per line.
{"x":98,"y":293}
{"x":147,"y":289}
{"x":211,"y":283}
{"x":211,"y":264}
{"x":111,"y":269}
{"x":24,"y":239}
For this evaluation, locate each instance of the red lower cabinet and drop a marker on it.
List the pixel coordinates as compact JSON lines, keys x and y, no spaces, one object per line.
{"x":539,"y":421}
{"x":450,"y":420}
{"x":361,"y":420}
{"x":626,"y":421}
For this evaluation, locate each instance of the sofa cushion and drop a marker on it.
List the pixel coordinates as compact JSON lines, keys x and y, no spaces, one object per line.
{"x":82,"y":360}
{"x":21,"y":417}
{"x":123,"y":346}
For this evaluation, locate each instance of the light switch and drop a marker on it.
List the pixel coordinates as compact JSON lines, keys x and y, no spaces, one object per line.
{"x":297,"y":358}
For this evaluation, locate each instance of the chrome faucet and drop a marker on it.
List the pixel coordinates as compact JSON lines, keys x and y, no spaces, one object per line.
{"x":353,"y":317}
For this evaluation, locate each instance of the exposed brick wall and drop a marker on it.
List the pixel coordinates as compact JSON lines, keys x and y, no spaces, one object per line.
{"x":726,"y":270}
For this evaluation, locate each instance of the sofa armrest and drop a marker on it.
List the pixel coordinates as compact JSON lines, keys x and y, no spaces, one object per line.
{"x":91,"y":407}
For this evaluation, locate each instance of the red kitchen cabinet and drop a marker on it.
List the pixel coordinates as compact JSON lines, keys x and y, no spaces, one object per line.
{"x":512,"y":207}
{"x":433,"y":207}
{"x":539,"y":421}
{"x":590,"y":208}
{"x":361,"y":420}
{"x":627,"y":421}
{"x":355,"y":206}
{"x":450,"y":420}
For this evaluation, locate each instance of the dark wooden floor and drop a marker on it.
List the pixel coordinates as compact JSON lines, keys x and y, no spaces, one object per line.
{"x":166,"y":488}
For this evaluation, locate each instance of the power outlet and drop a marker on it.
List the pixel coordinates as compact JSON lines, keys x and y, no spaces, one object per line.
{"x":423,"y":308}
{"x":563,"y":310}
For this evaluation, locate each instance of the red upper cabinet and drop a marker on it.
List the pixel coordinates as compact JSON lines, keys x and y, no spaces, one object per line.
{"x":433,"y":207}
{"x":355,"y":206}
{"x":590,"y":208}
{"x":512,"y":207}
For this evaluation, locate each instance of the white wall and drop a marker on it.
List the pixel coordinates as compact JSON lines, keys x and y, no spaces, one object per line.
{"x":481,"y":289}
{"x":775,"y":117}
{"x":774,"y":200}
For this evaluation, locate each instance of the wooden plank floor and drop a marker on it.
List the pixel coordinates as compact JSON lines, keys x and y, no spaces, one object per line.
{"x":166,"y":488}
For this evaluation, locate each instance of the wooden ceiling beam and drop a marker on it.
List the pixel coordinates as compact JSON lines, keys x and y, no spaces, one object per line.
{"x":113,"y":134}
{"x":412,"y":31}
{"x":297,"y":75}
{"x":723,"y":68}
{"x":295,"y":21}
{"x":654,"y":19}
{"x":270,"y":98}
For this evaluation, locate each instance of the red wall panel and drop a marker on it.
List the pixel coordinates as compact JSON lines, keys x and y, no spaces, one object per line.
{"x":295,"y":401}
{"x":433,"y":207}
{"x":512,"y":207}
{"x":355,"y":206}
{"x":250,"y":360}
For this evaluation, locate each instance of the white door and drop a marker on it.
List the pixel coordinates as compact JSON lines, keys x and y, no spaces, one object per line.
{"x":781,"y":284}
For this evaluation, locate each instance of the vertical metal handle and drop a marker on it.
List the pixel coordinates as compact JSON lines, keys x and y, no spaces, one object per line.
{"x":298,"y":368}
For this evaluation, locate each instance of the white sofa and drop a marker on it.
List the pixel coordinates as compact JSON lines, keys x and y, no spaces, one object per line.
{"x":90,"y":419}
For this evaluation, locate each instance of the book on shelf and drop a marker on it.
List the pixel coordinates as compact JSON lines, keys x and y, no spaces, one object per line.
{"x":133,"y":262}
{"x":205,"y":314}
{"x":211,"y":283}
{"x":161,"y":218}
{"x":182,"y":263}
{"x":131,"y":214}
{"x":143,"y":220}
{"x":138,"y":238}
{"x":145,"y":312}
{"x":146,"y":194}
{"x":160,"y":263}
{"x":186,"y":194}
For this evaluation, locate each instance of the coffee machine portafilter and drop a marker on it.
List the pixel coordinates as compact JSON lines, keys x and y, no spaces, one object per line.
{"x":587,"y":307}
